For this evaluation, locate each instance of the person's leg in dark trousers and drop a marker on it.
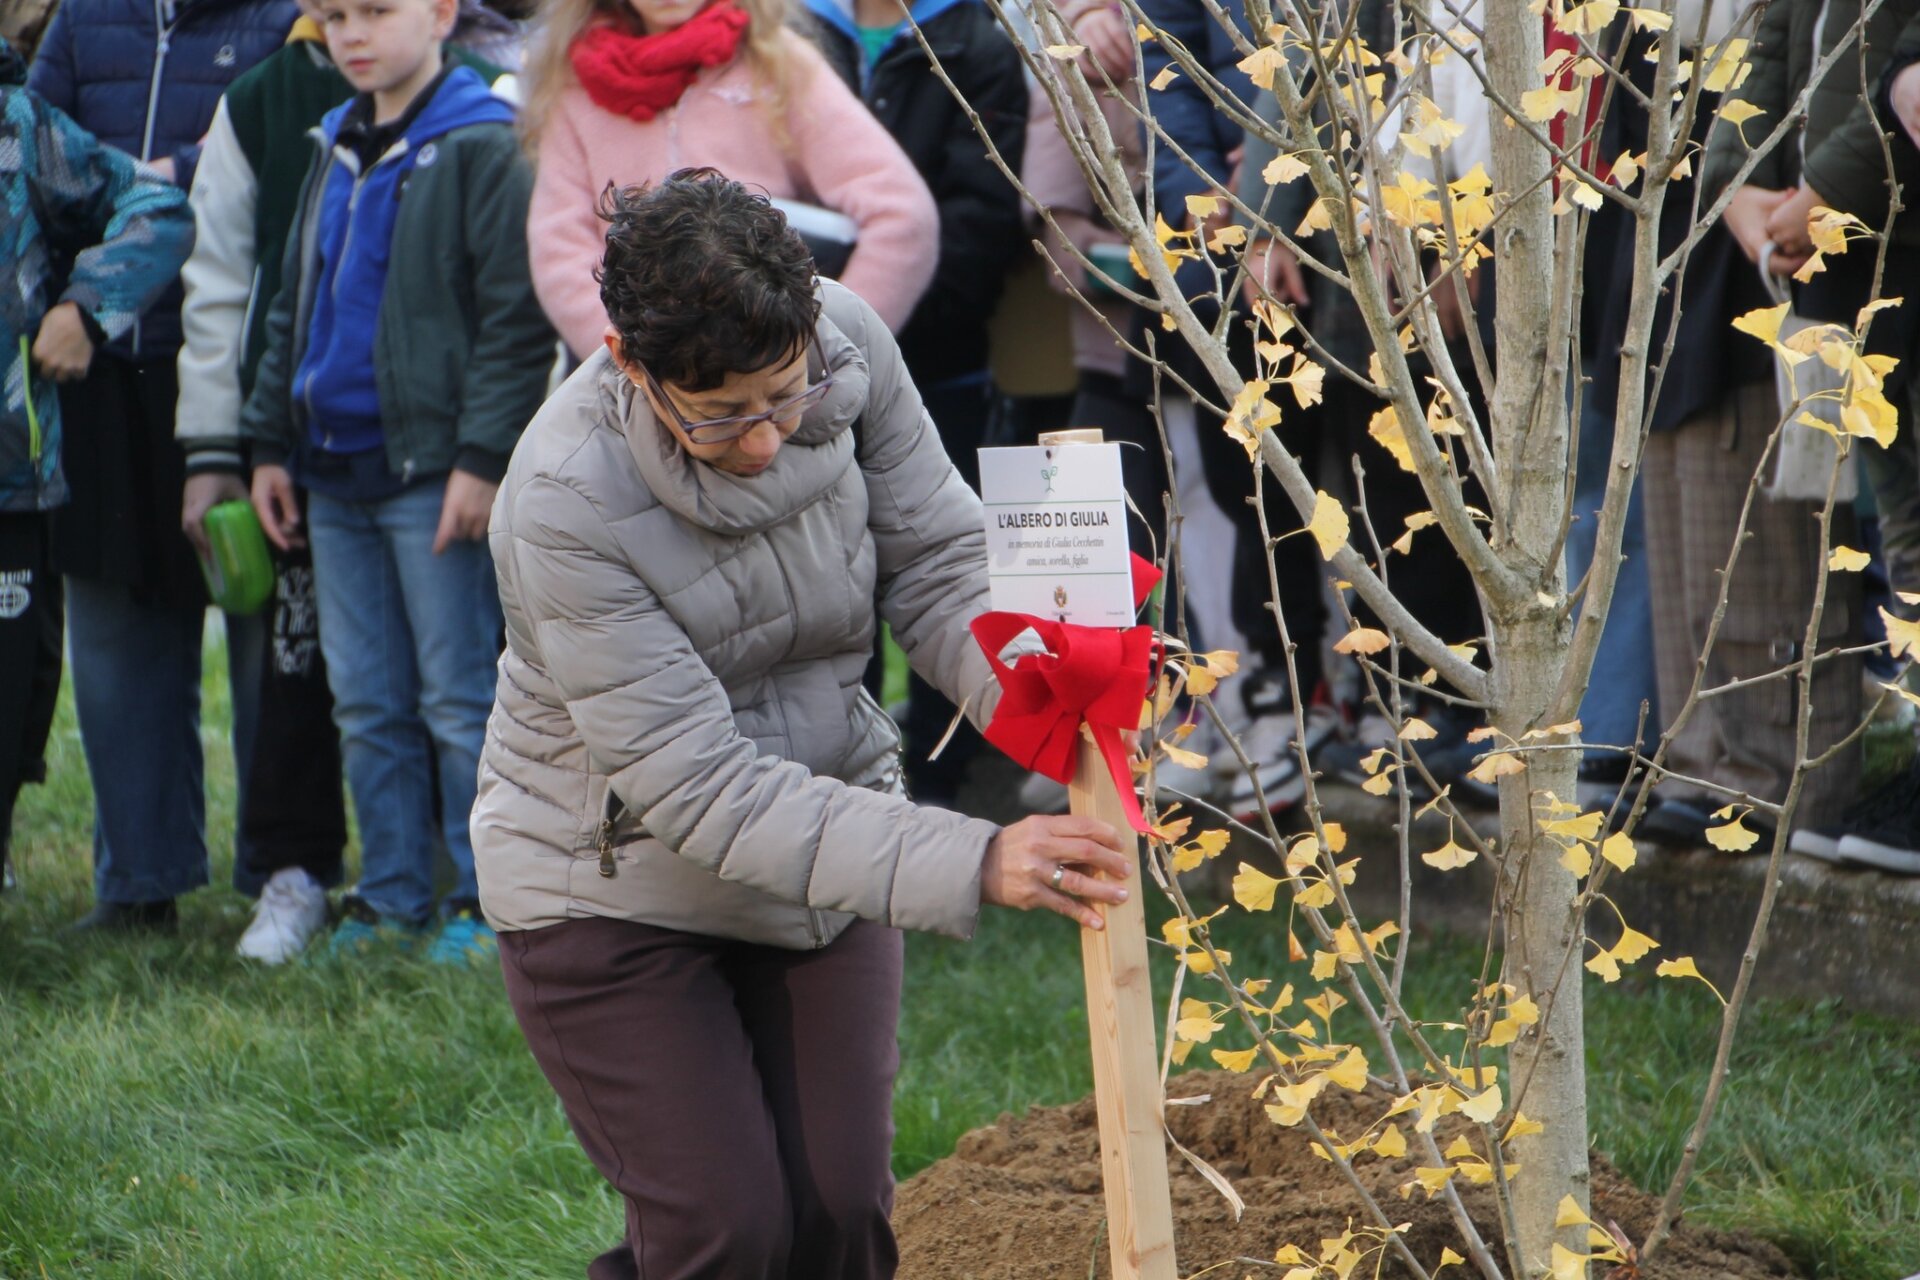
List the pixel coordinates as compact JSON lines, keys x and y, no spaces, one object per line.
{"x":782,"y":1168}
{"x":1101,"y":400}
{"x":961,"y":411}
{"x":30,"y":627}
{"x":292,"y":809}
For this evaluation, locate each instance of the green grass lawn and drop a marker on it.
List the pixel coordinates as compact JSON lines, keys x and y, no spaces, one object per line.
{"x":166,"y":1111}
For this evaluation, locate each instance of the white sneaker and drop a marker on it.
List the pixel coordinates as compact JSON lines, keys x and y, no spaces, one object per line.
{"x":1269,"y":743}
{"x":292,"y":908}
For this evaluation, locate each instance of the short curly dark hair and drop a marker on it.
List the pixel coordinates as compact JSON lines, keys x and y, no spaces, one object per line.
{"x":703,"y":278}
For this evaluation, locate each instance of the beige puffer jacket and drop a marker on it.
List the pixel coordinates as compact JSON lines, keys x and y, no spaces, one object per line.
{"x":693,"y":642}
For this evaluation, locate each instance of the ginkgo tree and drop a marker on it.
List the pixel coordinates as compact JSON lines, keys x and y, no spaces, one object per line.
{"x":1361,"y":124}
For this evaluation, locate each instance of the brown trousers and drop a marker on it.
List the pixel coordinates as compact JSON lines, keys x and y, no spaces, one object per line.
{"x":1696,"y":478}
{"x":739,"y":1097}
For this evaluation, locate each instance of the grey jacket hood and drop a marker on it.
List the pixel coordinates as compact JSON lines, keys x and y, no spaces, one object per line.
{"x":684,"y":658}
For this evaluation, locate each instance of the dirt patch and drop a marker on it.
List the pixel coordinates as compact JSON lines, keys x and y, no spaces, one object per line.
{"x":1021,"y":1200}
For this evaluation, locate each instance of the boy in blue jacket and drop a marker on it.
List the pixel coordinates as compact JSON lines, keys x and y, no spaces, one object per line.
{"x":66,"y":188}
{"x":405,"y":353}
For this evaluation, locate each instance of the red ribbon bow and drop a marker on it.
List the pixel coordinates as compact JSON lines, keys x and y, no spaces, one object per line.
{"x":1092,"y":675}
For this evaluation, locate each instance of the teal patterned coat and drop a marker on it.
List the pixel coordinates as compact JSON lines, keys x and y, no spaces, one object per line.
{"x":119,"y":231}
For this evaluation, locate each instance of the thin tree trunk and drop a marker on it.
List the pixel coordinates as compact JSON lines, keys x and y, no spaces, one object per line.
{"x":1530,"y":437}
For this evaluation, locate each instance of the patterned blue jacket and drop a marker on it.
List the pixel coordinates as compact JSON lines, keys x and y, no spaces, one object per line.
{"x":129,"y":232}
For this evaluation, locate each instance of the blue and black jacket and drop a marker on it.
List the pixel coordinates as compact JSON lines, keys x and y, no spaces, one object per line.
{"x":129,"y":231}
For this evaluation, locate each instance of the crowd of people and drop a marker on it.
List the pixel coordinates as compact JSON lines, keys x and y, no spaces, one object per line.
{"x":330,"y":258}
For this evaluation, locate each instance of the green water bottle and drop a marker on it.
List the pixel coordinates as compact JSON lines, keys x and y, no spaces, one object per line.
{"x":240,"y":569}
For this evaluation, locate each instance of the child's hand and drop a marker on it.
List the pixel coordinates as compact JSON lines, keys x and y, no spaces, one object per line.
{"x":202,"y":494}
{"x":1272,"y":269}
{"x":278,"y":509}
{"x":63,"y":350}
{"x":465,"y":510}
{"x":1787,"y":224}
{"x":1109,"y":41}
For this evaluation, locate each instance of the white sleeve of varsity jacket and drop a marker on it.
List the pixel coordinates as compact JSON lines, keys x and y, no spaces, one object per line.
{"x":219,"y":279}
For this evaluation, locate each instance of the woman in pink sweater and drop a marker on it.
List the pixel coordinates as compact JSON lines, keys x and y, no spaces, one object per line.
{"x":628,"y":91}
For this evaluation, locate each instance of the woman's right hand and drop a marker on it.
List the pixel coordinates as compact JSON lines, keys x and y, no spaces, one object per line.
{"x":1746,"y":217}
{"x":1021,"y":861}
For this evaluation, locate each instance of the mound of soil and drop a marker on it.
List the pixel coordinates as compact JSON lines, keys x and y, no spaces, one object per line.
{"x":1022,"y":1201}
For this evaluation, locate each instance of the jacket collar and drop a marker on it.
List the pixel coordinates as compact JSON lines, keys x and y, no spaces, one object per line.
{"x":839,"y":14}
{"x":812,"y":461}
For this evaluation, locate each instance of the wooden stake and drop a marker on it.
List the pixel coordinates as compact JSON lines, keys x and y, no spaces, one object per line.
{"x":1120,"y":1016}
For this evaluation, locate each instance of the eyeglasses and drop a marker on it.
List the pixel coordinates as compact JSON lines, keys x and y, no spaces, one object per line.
{"x":721,"y":430}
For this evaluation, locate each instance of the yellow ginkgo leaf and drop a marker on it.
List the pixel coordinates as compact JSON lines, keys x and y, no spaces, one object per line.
{"x":1497,"y":765}
{"x":1632,"y":946}
{"x":1226,"y":237}
{"x":1392,"y":1144}
{"x":1678,"y":967}
{"x":1606,"y":966}
{"x":1738,"y":112}
{"x":1576,"y":859}
{"x":1168,"y":74}
{"x":1362,"y":640}
{"x":1584,"y":827}
{"x":1522,"y":1127}
{"x":1619,"y":849}
{"x":1253,"y":888}
{"x":1283,"y":169}
{"x":1202,"y":207}
{"x":1182,"y":757}
{"x":1733,"y":837}
{"x":1764,"y":322}
{"x":1448,"y":1258}
{"x":1386,"y":429}
{"x":1235,"y":1060}
{"x":1351,"y":1073}
{"x":1064,"y":52}
{"x":1329,"y":525}
{"x":1568,"y":1265}
{"x":1417,"y":730}
{"x":1847,"y":560}
{"x":1449,"y":856}
{"x":1903,"y":637}
{"x":1482,"y":1106}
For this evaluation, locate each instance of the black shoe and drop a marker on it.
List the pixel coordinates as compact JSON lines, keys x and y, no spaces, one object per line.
{"x":1884,"y":814}
{"x":129,"y":917}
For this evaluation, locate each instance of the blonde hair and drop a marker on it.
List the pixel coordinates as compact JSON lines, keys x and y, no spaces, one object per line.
{"x":549,"y":70}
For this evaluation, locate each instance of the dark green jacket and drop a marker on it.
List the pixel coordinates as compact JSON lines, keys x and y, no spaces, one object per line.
{"x":462,"y":350}
{"x":1840,"y":139}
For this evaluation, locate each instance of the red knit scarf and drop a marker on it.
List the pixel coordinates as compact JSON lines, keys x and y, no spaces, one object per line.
{"x":640,"y":76}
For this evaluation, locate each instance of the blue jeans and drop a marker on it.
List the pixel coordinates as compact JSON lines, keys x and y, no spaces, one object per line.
{"x":410,"y":641}
{"x":1623,"y":671}
{"x":136,"y":692}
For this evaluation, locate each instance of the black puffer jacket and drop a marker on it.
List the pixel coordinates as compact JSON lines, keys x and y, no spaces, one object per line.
{"x":981,"y":232}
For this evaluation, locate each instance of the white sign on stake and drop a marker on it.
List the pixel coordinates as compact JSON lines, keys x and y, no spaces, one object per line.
{"x":1057,"y":533}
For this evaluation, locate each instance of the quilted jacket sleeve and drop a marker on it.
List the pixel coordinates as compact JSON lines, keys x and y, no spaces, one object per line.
{"x":928,"y":531}
{"x":657,"y":722}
